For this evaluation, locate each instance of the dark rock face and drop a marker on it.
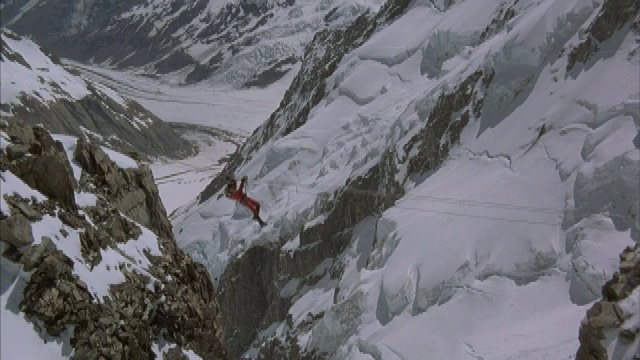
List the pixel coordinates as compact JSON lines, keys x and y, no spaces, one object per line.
{"x":101,"y":115}
{"x":445,"y":122}
{"x":250,"y":298}
{"x":607,"y":316}
{"x":613,"y":17}
{"x":16,"y":230}
{"x":48,"y":170}
{"x":174,"y":299}
{"x":132,"y":191}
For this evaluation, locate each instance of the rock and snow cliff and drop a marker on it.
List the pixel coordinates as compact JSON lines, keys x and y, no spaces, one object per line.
{"x":462,"y":190}
{"x":612,"y":324}
{"x":38,"y":89}
{"x":244,"y":43}
{"x":90,"y":268}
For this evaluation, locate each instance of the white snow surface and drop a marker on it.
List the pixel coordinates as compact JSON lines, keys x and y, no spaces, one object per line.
{"x":38,"y":76}
{"x":69,"y":144}
{"x":123,"y":161}
{"x":497,"y":253}
{"x":179,"y":182}
{"x":161,"y":346}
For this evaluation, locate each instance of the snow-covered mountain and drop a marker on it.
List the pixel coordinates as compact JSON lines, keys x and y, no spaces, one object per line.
{"x":443,"y":180}
{"x":38,"y":89}
{"x":244,"y":43}
{"x":90,"y":268}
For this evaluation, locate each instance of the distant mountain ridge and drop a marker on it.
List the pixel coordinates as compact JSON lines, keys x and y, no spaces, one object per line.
{"x":244,"y":43}
{"x":38,"y":89}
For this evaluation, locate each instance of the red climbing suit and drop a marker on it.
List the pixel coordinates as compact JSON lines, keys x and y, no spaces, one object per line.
{"x":238,"y":194}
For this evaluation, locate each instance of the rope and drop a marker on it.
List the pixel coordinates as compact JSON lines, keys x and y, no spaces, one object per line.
{"x":448,"y":200}
{"x":486,"y":204}
{"x":454,"y":201}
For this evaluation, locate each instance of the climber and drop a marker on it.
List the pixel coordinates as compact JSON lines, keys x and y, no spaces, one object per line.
{"x":238,"y":194}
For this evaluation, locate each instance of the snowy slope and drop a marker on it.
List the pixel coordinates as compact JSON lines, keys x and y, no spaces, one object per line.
{"x":485,"y":238}
{"x":26,"y":69}
{"x":38,"y":89}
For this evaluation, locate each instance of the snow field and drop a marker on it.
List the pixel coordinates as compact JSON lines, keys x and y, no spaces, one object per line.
{"x":181,"y":181}
{"x":220,"y":106}
{"x":42,"y":78}
{"x":495,"y":254}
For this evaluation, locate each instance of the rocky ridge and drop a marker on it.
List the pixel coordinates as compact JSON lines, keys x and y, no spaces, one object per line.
{"x":612,"y":324}
{"x":155,"y":293}
{"x":99,"y":119}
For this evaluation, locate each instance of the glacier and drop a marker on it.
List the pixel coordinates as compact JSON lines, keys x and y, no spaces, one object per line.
{"x":462,"y":190}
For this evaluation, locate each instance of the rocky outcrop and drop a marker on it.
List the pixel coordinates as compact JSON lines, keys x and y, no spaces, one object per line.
{"x":16,"y":230}
{"x":612,"y":325}
{"x":613,"y":17}
{"x":445,"y":122}
{"x":48,"y":170}
{"x":172,"y":298}
{"x":250,"y":296}
{"x":132,"y":190}
{"x":128,"y":128}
